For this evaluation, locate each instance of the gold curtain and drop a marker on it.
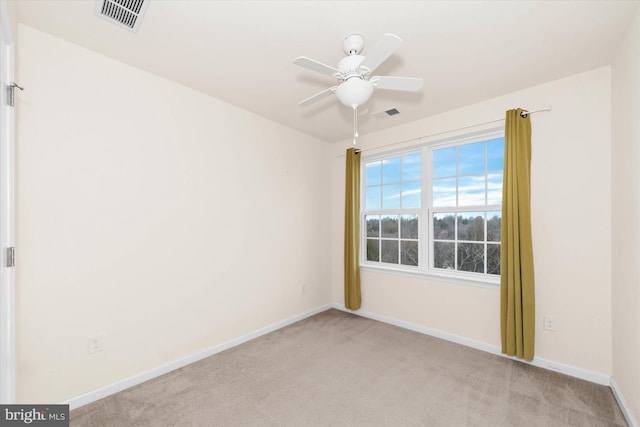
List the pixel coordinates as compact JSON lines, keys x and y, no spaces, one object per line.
{"x":352,"y":297}
{"x":517,"y":299}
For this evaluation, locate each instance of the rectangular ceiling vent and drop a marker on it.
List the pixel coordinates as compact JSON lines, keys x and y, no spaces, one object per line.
{"x":125,"y":13}
{"x":386,"y":113}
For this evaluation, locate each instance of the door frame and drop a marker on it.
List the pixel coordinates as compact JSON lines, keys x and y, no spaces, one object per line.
{"x":7,"y":206}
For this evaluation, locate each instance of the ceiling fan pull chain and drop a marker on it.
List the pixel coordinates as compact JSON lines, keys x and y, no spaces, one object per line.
{"x":355,"y":124}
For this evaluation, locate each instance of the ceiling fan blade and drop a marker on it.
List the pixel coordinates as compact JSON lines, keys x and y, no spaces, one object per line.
{"x":385,"y":47}
{"x":408,"y":84}
{"x":317,"y":97}
{"x":316,"y":66}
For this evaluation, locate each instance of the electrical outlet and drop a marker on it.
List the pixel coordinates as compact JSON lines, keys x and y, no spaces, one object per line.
{"x":550,"y":323}
{"x":96,"y":343}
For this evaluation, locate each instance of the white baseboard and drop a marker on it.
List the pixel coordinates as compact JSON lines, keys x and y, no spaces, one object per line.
{"x":626,"y":411}
{"x":92,"y":396}
{"x":573,"y":371}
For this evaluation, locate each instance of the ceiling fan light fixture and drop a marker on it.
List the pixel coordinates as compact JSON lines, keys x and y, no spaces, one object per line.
{"x":354,"y":92}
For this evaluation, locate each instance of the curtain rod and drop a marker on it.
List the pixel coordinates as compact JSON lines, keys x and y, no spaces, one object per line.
{"x":523,"y":114}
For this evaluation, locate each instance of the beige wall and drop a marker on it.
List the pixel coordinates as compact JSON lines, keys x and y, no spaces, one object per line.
{"x":571,"y":215}
{"x":12,"y":15}
{"x":160,"y":217}
{"x":626,"y":212}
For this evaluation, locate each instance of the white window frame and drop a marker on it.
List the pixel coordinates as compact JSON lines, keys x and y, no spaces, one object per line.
{"x":425,"y":215}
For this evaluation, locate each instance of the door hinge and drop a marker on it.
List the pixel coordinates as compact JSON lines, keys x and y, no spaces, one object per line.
{"x":11,"y":256}
{"x":11,"y":94}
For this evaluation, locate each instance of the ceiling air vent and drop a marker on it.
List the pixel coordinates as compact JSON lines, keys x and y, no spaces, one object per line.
{"x":386,"y":113}
{"x":126,"y":13}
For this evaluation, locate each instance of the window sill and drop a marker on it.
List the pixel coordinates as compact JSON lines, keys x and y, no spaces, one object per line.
{"x":455,"y":278}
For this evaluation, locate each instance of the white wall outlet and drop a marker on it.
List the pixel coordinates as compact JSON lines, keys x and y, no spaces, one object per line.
{"x":550,"y":323}
{"x":96,"y":343}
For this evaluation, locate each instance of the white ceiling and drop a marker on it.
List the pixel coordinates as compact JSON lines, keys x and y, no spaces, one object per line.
{"x":242,"y":51}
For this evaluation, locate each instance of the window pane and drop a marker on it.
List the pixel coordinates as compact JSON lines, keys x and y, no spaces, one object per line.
{"x":444,"y":192}
{"x":494,"y":223}
{"x":471,"y":190}
{"x":411,"y":166}
{"x":443,"y":255}
{"x":471,"y":158}
{"x":494,"y":188}
{"x":389,"y":251}
{"x":391,"y":196}
{"x":493,"y":259}
{"x":373,"y":173}
{"x":390,"y":226}
{"x":471,"y":257}
{"x":471,"y":226}
{"x":409,"y":226}
{"x":408,"y":252}
{"x":444,"y":162}
{"x":373,"y":225}
{"x":444,"y":226}
{"x":411,"y":195}
{"x":495,"y":154}
{"x":391,"y":171}
{"x":373,"y":250}
{"x":372,"y":201}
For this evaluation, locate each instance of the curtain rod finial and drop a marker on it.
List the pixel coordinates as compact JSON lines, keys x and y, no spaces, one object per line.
{"x":525,"y":113}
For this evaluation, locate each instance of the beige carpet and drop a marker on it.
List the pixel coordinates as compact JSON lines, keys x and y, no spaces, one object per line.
{"x":338,"y":369}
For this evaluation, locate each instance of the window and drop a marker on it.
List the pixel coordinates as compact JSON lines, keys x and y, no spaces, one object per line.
{"x":393,"y":200}
{"x":436,"y":209}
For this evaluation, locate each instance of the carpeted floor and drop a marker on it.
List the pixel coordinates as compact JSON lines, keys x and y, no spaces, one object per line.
{"x":338,"y":369}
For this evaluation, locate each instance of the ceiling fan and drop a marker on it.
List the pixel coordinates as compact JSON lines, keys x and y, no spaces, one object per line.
{"x":355,"y":83}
